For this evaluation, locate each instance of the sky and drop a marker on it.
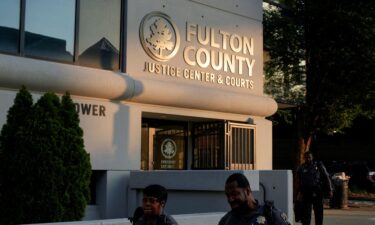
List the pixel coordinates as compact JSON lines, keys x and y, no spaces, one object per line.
{"x":53,"y":18}
{"x":9,"y":13}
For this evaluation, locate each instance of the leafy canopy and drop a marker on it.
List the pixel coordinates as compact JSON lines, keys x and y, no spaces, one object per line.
{"x":322,"y":59}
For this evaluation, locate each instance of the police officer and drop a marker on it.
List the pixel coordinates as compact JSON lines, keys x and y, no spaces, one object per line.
{"x":245,"y":208}
{"x":152,"y":210}
{"x":311,"y":180}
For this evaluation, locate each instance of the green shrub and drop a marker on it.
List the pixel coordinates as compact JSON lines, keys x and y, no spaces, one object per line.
{"x":45,"y":171}
{"x":76,"y":163}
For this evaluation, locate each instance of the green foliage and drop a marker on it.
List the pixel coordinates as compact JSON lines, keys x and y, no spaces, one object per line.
{"x":76,"y":161}
{"x":11,"y":149}
{"x":285,"y":70}
{"x":44,"y":169}
{"x":322,"y":58}
{"x":16,"y":117}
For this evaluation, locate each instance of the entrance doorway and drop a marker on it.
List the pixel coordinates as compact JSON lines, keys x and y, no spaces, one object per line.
{"x":163,"y":144}
{"x":179,"y":145}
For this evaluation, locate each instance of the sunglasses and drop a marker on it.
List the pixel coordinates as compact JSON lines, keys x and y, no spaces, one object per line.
{"x":151,"y":200}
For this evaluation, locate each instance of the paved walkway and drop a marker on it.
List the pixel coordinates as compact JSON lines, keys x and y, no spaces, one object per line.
{"x":354,"y":208}
{"x":350,"y":211}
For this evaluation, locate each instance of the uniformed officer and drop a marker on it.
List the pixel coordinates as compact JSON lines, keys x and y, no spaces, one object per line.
{"x":311,"y":180}
{"x":245,"y":208}
{"x":152,"y":211}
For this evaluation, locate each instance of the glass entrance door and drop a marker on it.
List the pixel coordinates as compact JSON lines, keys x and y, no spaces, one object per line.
{"x":164,"y":145}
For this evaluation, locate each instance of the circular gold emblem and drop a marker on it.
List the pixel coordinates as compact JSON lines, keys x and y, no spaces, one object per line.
{"x":159,"y":36}
{"x":168,"y":148}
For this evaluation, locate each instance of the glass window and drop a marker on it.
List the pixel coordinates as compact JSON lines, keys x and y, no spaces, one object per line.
{"x":99,"y":33}
{"x":9,"y":25}
{"x":49,"y":29}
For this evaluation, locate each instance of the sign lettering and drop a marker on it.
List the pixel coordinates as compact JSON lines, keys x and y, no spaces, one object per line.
{"x":90,"y":109}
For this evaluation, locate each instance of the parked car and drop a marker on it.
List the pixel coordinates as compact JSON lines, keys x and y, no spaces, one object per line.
{"x":362,"y":178}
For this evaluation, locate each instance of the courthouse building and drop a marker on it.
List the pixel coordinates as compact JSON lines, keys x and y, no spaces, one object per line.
{"x":159,"y":85}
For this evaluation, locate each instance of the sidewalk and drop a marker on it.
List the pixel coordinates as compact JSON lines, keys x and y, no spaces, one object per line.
{"x":355,"y":207}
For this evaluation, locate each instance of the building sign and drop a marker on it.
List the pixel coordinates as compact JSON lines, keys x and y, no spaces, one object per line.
{"x":196,"y":43}
{"x":209,"y":52}
{"x":210,"y":55}
{"x":90,"y":109}
{"x":159,"y":36}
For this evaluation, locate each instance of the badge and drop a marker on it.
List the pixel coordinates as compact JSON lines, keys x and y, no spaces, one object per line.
{"x":261,"y":220}
{"x":284,"y":216}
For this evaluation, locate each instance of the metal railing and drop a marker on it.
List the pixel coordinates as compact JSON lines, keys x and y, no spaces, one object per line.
{"x":240,"y":144}
{"x":224,"y":145}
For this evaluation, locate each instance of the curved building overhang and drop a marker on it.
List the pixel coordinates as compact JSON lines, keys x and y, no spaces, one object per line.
{"x":42,"y":76}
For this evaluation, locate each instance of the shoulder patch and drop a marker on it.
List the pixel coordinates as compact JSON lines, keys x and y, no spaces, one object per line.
{"x":261,"y":220}
{"x":284,"y":216}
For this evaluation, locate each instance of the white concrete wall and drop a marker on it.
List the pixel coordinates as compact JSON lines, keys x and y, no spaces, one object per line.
{"x":263,"y":144}
{"x":248,"y":8}
{"x":189,"y":191}
{"x":278,"y":187}
{"x":203,"y":191}
{"x":42,"y":76}
{"x":114,"y":144}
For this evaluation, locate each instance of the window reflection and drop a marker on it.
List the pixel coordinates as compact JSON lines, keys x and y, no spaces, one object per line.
{"x":9,"y":25}
{"x":49,"y":29}
{"x":99,"y":33}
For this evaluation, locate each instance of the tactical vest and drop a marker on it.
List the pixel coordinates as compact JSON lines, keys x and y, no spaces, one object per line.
{"x":310,"y":178}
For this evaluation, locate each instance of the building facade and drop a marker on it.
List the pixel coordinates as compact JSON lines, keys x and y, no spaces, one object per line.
{"x":158,"y":84}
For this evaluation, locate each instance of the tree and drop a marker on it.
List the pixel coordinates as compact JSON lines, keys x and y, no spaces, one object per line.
{"x":77,"y":165}
{"x":325,"y":49}
{"x":160,"y":37}
{"x":39,"y":173}
{"x":12,"y":148}
{"x":44,"y":150}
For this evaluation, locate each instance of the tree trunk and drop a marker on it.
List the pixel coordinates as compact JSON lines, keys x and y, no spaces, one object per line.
{"x":303,"y":146}
{"x":304,"y":136}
